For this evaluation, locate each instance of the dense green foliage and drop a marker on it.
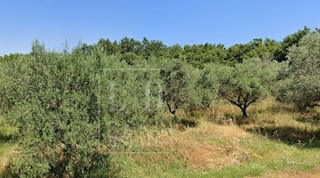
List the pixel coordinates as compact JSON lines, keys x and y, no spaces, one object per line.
{"x":291,"y":40}
{"x":246,"y":83}
{"x":188,"y":88}
{"x":264,"y":49}
{"x":56,"y":108}
{"x":302,"y":78}
{"x":73,"y":108}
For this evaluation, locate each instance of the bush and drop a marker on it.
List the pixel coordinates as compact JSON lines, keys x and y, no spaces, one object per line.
{"x":57,"y":111}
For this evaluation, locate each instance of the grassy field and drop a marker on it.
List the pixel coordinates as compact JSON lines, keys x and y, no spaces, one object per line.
{"x":212,"y":150}
{"x":277,"y":142}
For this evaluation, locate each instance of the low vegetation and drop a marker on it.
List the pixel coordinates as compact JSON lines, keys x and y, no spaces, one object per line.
{"x":228,"y":150}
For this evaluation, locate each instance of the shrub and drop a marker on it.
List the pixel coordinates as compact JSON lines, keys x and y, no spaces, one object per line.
{"x":57,"y":111}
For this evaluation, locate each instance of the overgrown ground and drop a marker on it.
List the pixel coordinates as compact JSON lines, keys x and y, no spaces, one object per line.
{"x":7,"y":145}
{"x":277,"y":142}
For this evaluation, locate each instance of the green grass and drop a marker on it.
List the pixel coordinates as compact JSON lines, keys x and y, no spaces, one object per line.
{"x":212,"y":150}
{"x":269,"y":156}
{"x":4,"y":147}
{"x":7,"y":132}
{"x":262,"y":154}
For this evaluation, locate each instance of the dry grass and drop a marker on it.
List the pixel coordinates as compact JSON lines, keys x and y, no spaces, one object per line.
{"x":215,"y":150}
{"x":280,"y":122}
{"x":8,"y":152}
{"x":292,"y":173}
{"x":208,"y":146}
{"x":269,"y":118}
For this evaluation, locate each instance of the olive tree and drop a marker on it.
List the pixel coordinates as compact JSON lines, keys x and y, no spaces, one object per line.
{"x":301,"y":84}
{"x":133,"y":94}
{"x":175,"y":81}
{"x":203,"y":88}
{"x":58,"y":113}
{"x":188,"y":88}
{"x":245,"y":83}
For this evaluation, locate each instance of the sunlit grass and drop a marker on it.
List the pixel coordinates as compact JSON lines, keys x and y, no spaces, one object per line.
{"x":258,"y":148}
{"x":215,"y":151}
{"x":212,"y":150}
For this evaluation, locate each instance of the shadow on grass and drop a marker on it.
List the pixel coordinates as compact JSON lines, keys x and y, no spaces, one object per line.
{"x":6,"y":137}
{"x":299,"y":137}
{"x":313,"y":118}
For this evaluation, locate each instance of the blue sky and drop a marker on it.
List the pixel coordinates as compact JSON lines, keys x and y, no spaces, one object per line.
{"x":171,"y":21}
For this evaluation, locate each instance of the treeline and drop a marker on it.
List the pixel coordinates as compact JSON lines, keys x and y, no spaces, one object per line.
{"x":71,"y":108}
{"x":132,"y":50}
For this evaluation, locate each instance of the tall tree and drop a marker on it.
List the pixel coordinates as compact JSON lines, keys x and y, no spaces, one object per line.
{"x":108,"y":47}
{"x":291,"y":40}
{"x":198,"y":55}
{"x":263,"y":49}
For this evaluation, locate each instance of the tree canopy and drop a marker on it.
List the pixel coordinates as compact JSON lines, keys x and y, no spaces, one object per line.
{"x":245,"y":83}
{"x":301,"y":85}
